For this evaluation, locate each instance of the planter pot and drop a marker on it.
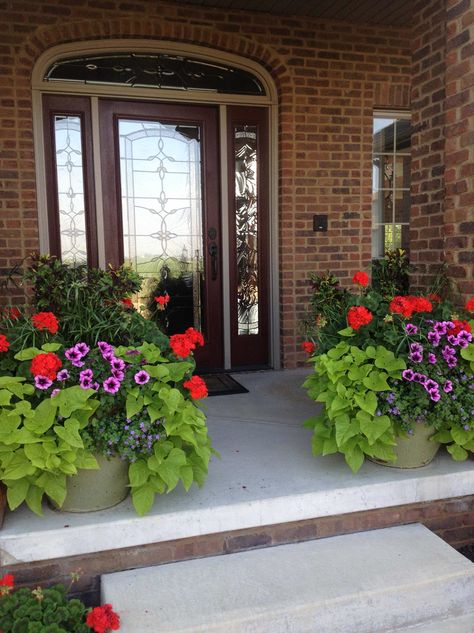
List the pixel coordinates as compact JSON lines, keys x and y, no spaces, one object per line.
{"x":92,"y":490}
{"x":413,"y":451}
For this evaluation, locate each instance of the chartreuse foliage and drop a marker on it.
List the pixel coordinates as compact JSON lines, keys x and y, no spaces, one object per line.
{"x":184,"y":450}
{"x":346,"y":380}
{"x":42,"y":611}
{"x":40,"y":444}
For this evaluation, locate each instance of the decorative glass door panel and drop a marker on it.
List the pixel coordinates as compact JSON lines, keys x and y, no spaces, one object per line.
{"x":168,"y":227}
{"x":248,"y":205}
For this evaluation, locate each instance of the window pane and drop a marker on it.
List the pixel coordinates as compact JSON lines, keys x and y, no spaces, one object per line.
{"x":402,"y":206}
{"x":246,"y":218}
{"x":402,"y":172}
{"x":403,"y":143}
{"x":70,"y":188}
{"x":383,"y":135}
{"x":160,"y":168}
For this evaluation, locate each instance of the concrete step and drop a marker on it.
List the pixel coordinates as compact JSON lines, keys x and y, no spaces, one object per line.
{"x":370,"y":582}
{"x":463,"y":624}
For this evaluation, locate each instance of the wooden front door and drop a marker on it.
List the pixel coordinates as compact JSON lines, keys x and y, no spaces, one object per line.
{"x":161,"y":193}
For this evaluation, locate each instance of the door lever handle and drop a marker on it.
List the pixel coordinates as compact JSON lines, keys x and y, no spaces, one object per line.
{"x":213,"y":252}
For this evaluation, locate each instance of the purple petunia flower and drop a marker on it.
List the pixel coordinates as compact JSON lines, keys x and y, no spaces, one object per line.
{"x":452,"y":339}
{"x":416,"y":347}
{"x":55,"y":392}
{"x":452,"y":362}
{"x":440,"y":328}
{"x":447,"y":352}
{"x":117,"y":363}
{"x":86,"y":373}
{"x":63,"y":375}
{"x":431,"y":384}
{"x":41,"y":382}
{"x":111,"y":385}
{"x":72,"y":354}
{"x":104,"y":347}
{"x":415,"y":357}
{"x":116,"y":373}
{"x":95,"y":386}
{"x":82,"y":348}
{"x":432,"y":358}
{"x":464,"y":338}
{"x":434,"y":395}
{"x":86,"y":383}
{"x":77,"y":363}
{"x":407,"y":374}
{"x":108,"y":355}
{"x":141,"y":377}
{"x":448,"y":386}
{"x":434,"y":338}
{"x":410,"y":328}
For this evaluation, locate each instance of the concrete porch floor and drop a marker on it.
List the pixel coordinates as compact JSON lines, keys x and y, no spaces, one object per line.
{"x":266,"y":475}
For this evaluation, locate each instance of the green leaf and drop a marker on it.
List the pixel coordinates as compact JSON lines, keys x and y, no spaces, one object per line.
{"x":370,"y":352}
{"x":458,"y":453}
{"x":43,"y":418}
{"x":85,"y":459}
{"x":367,"y":402}
{"x":70,"y":433}
{"x":27,"y":354}
{"x":138,"y":473}
{"x":16,"y":493}
{"x":54,"y":486}
{"x":376,"y":381}
{"x":133,"y":405}
{"x":354,"y":458}
{"x":8,"y":381}
{"x":338,"y":404}
{"x":51,"y":347}
{"x":348,"y":331}
{"x":34,"y":498}
{"x":468,"y":352}
{"x":345,"y":429}
{"x":72,"y":398}
{"x":143,"y":498}
{"x":187,"y":477}
{"x":36,"y":454}
{"x":460,"y":436}
{"x":329,"y":446}
{"x":373,"y":427}
{"x":18,"y":467}
{"x":171,"y":467}
{"x":443,"y":436}
{"x":5,"y":397}
{"x":172,"y":398}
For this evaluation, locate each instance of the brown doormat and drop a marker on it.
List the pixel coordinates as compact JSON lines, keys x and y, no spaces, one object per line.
{"x":223,"y":385}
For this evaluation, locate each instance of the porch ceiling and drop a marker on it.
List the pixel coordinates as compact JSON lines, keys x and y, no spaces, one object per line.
{"x":383,"y":12}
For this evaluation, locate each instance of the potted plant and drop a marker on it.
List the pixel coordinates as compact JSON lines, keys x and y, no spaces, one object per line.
{"x":130,"y":406}
{"x":394,"y":376}
{"x":50,"y":611}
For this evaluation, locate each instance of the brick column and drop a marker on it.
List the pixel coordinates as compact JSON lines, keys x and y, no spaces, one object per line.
{"x":459,"y":153}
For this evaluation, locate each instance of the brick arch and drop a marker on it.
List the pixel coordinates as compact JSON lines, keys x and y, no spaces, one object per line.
{"x":150,"y":29}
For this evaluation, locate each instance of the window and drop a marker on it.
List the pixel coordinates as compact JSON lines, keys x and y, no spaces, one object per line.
{"x":390,"y":182}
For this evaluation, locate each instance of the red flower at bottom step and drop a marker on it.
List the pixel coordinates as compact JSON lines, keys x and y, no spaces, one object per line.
{"x":103,"y":619}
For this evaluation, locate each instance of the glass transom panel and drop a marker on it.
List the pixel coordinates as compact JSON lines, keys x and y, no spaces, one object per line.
{"x":159,"y":70}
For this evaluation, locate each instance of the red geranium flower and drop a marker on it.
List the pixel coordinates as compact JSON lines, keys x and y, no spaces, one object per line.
{"x":162,"y":299}
{"x":358,"y":316}
{"x":470,"y":305}
{"x":400,"y":305}
{"x":197,"y":387}
{"x":127,"y":302}
{"x":194,"y":336}
{"x":420,"y":304}
{"x":46,"y":365}
{"x":4,"y":344}
{"x":103,"y":619}
{"x":45,"y":321}
{"x":361,"y":279}
{"x":308,"y":347}
{"x":7,"y":580}
{"x":458,"y":326}
{"x":181,"y":345}
{"x":434,"y":297}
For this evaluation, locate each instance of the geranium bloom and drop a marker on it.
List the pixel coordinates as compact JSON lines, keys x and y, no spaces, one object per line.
{"x":197,"y":387}
{"x":141,"y":377}
{"x":45,"y":321}
{"x":181,"y":345}
{"x":162,"y":300}
{"x":400,"y":305}
{"x":111,"y":385}
{"x":126,"y":302}
{"x":6,"y":584}
{"x":103,"y":619}
{"x":308,"y":347}
{"x":470,"y":305}
{"x":357,"y":316}
{"x":434,"y":297}
{"x":420,"y":304}
{"x":361,"y":279}
{"x":45,"y":365}
{"x":4,"y":344}
{"x":194,"y":336}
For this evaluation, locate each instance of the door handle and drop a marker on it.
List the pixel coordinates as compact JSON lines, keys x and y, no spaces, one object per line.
{"x":213,"y":252}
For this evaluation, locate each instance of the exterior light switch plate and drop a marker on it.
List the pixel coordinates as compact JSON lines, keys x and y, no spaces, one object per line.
{"x":320,"y":223}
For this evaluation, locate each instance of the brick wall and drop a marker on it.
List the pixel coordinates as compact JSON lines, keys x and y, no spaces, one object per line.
{"x":329,"y":77}
{"x":428,"y":145}
{"x":459,"y":153}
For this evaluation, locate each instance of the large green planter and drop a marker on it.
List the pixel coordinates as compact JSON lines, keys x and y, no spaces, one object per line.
{"x":92,"y":490}
{"x":413,"y":451}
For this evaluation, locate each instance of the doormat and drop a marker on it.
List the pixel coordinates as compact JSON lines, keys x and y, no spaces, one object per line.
{"x":223,"y":385}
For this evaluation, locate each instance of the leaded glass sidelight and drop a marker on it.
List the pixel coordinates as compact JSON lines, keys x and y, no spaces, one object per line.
{"x":156,"y":70}
{"x":246,"y":224}
{"x":160,"y":167}
{"x":70,"y":188}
